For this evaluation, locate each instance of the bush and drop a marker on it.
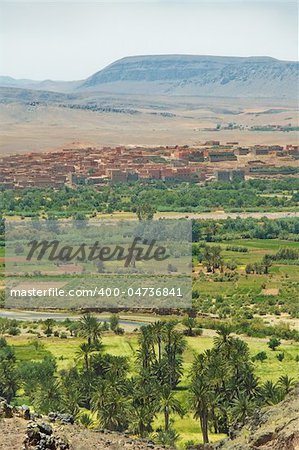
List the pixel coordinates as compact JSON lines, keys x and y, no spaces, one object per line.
{"x":274,"y":343}
{"x":231,"y":265}
{"x":38,"y":345}
{"x":166,"y":438}
{"x":119,"y":331}
{"x":86,"y":420}
{"x":14,"y":331}
{"x":30,"y":331}
{"x":198,"y":331}
{"x":234,"y":248}
{"x":261,"y":356}
{"x":172,"y":268}
{"x":3,"y":342}
{"x":105,"y":326}
{"x":114,"y":322}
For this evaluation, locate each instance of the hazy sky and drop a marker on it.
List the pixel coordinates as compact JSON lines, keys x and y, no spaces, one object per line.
{"x":71,"y":40}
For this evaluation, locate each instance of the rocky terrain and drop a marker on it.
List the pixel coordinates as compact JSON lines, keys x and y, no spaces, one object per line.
{"x":22,"y":430}
{"x":272,"y":428}
{"x":197,"y":75}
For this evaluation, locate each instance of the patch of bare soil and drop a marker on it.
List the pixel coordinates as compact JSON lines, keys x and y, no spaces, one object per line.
{"x":13,"y":433}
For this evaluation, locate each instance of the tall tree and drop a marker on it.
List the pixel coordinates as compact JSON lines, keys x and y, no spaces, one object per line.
{"x":90,"y":329}
{"x":144,"y":211}
{"x":111,"y":405}
{"x":200,"y":397}
{"x":84,"y":351}
{"x":48,"y":396}
{"x":212,"y":258}
{"x":169,"y":404}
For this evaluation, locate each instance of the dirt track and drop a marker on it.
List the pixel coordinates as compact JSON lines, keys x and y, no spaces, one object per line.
{"x":223,"y":215}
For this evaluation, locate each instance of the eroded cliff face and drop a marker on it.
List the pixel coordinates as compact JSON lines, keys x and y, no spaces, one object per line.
{"x":197,"y":75}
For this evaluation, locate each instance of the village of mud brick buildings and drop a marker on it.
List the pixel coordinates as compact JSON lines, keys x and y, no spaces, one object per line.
{"x":212,"y":160}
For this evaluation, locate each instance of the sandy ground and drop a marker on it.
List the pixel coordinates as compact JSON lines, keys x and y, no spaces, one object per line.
{"x":47,"y":127}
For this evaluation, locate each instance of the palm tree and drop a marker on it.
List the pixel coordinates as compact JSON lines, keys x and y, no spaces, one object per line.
{"x":144,"y":391}
{"x":8,"y":379}
{"x":169,"y":404}
{"x":224,"y":340}
{"x":267,"y":262}
{"x":270,"y":393}
{"x":48,"y":396}
{"x":48,"y":326}
{"x":250,"y":383}
{"x":212,"y":258}
{"x":175,"y":345}
{"x":141,"y":419}
{"x":211,"y":230}
{"x":84,"y":351}
{"x":158,"y":329}
{"x":190,"y":323}
{"x":286,"y":383}
{"x":167,"y":438}
{"x":146,"y":351}
{"x":90,"y":328}
{"x":71,"y":400}
{"x":242,"y":407}
{"x":111,"y":405}
{"x":200,"y":404}
{"x":216,"y":409}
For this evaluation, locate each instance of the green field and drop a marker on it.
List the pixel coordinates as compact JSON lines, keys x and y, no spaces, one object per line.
{"x":252,"y":292}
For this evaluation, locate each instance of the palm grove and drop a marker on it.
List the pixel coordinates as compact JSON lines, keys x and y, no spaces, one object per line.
{"x":122,"y":395}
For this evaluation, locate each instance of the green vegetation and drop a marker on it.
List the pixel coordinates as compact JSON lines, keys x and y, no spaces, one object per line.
{"x":162,"y":381}
{"x":285,"y":170}
{"x":185,"y":197}
{"x":274,"y":343}
{"x":188,"y":379}
{"x":247,"y":286}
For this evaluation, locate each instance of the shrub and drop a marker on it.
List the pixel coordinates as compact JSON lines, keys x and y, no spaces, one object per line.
{"x":261,"y":356}
{"x":119,"y":331}
{"x":3,"y":342}
{"x":274,"y":343}
{"x":86,"y":420}
{"x":14,"y":331}
{"x":234,"y":248}
{"x":280,"y":356}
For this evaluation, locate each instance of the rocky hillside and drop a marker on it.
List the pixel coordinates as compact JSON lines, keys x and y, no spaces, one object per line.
{"x":211,"y":76}
{"x":272,"y":428}
{"x":22,"y":430}
{"x":197,"y":75}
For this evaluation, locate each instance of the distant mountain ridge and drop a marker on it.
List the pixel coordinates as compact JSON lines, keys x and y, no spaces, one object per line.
{"x":45,"y":85}
{"x":184,"y":75}
{"x":198,"y":75}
